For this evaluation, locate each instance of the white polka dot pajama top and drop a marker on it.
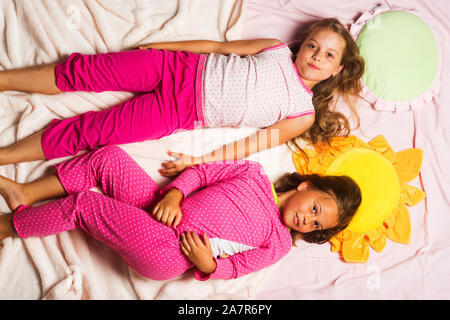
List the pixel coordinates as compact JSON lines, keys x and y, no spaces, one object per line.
{"x":252,"y":91}
{"x":232,"y":202}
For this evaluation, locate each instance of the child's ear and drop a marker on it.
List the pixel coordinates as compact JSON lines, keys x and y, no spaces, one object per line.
{"x":339,"y":69}
{"x":305,"y":185}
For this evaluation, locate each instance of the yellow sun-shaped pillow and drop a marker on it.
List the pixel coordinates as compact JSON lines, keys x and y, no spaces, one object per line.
{"x":381,"y":175}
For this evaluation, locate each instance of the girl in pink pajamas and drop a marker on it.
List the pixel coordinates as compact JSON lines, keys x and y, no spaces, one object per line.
{"x":247,"y":83}
{"x":161,"y":233}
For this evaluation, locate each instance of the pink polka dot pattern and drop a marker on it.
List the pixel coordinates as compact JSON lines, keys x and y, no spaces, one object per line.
{"x":229,"y":201}
{"x":237,"y":205}
{"x":111,"y":168}
{"x":253,"y":91}
{"x":146,"y":245}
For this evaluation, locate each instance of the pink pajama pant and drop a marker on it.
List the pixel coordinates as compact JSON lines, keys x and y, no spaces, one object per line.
{"x":120,"y":218}
{"x":166,"y":100}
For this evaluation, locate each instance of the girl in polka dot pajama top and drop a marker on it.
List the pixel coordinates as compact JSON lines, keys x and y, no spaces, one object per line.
{"x":161,"y":233}
{"x":246,"y":83}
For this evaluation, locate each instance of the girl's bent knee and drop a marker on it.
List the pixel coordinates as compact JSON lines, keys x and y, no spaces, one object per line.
{"x":107,"y":154}
{"x":109,"y":150}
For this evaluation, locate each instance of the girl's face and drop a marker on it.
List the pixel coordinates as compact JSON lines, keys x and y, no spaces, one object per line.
{"x":320,"y":56}
{"x":309,"y":210}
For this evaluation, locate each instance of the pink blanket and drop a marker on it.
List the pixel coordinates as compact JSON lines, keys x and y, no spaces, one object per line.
{"x":420,"y":270}
{"x":73,"y":266}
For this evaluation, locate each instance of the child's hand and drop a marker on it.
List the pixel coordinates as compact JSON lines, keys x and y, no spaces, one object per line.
{"x":168,"y":210}
{"x":175,"y":167}
{"x":198,"y":252}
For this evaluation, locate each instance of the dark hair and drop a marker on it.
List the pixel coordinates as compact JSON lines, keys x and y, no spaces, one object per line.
{"x":342,"y":188}
{"x":330,"y":123}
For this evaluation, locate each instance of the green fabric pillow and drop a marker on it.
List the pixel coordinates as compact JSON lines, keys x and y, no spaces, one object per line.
{"x":401,"y":55}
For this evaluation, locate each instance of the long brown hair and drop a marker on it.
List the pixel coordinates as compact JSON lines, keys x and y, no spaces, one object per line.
{"x":343,"y":189}
{"x":329,"y":123}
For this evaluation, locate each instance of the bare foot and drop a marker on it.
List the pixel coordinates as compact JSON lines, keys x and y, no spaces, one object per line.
{"x":12,"y":192}
{"x":7,"y":228}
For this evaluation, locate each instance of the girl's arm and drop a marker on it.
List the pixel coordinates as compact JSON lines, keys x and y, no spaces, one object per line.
{"x":238,"y":47}
{"x":263,"y":139}
{"x":197,"y":177}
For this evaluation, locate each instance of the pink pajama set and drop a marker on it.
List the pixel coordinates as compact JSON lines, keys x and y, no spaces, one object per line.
{"x":233,"y":202}
{"x":164,"y":83}
{"x":175,"y":91}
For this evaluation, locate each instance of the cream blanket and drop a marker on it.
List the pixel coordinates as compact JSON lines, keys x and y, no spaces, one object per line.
{"x":71,"y":265}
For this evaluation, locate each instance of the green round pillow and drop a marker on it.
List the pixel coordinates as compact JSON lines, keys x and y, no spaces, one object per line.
{"x":401,"y":56}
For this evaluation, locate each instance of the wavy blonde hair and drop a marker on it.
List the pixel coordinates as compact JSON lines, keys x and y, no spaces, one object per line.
{"x":329,"y":123}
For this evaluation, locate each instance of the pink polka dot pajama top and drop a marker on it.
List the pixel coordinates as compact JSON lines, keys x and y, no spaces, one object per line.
{"x":227,"y":201}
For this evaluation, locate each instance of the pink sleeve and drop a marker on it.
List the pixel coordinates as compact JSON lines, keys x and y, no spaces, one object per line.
{"x":278,"y":46}
{"x":300,"y":114}
{"x":200,"y":176}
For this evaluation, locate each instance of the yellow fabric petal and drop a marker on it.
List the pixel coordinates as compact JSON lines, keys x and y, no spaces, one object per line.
{"x":355,"y":249}
{"x":324,"y":154}
{"x":303,"y":165}
{"x":401,"y":230}
{"x":380,"y":145}
{"x":348,"y":142}
{"x":336,"y":243}
{"x":389,"y":221}
{"x":337,"y":240}
{"x":377,"y":238}
{"x":339,"y":145}
{"x":407,"y":163}
{"x":410,"y":195}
